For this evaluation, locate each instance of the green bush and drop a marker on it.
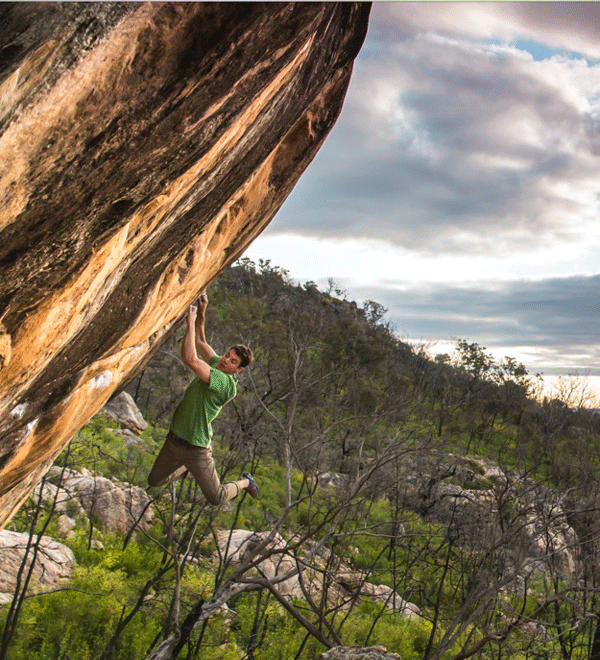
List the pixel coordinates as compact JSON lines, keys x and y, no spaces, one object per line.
{"x":78,"y":621}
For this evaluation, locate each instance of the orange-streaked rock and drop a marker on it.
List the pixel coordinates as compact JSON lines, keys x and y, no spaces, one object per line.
{"x":144,"y":146}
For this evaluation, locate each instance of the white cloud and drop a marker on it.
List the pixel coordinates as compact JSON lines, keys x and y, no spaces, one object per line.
{"x":573,"y":26}
{"x":447,"y":145}
{"x":459,"y":187}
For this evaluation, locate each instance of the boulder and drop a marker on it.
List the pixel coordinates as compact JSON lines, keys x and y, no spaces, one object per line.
{"x":482,"y":506}
{"x":354,"y":583}
{"x":66,"y":503}
{"x":346,"y":586}
{"x":114,"y":505}
{"x":334,"y":480}
{"x":66,"y":524}
{"x":234,"y":546}
{"x":144,"y":146}
{"x":52,"y":568}
{"x":122,"y":408}
{"x":131,"y":441}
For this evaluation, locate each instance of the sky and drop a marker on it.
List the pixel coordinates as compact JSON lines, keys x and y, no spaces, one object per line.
{"x":460,"y":186}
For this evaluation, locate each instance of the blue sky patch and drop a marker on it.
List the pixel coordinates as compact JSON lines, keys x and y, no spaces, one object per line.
{"x":541,"y":52}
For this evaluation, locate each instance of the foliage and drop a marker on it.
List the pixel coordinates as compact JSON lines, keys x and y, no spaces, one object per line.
{"x":334,"y":393}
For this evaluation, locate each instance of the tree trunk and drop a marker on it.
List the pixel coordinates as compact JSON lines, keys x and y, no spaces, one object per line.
{"x":595,"y":650}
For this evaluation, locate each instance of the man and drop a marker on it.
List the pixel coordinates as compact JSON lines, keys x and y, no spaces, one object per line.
{"x":188,"y":443}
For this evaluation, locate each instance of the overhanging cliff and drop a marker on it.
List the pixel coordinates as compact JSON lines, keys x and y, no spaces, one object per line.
{"x":143,"y":147}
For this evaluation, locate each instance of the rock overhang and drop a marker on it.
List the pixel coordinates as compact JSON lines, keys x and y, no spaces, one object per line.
{"x":147,"y":144}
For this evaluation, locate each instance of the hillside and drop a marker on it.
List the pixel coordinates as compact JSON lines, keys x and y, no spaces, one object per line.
{"x":434,"y":507}
{"x":324,"y":359}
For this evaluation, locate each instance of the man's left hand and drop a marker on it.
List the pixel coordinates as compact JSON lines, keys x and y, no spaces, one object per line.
{"x":191,"y":314}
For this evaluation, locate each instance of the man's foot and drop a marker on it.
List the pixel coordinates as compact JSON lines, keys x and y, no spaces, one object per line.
{"x":252,"y":489}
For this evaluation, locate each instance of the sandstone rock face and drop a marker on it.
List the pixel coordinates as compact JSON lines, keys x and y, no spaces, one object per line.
{"x":53,"y":565}
{"x":144,"y":146}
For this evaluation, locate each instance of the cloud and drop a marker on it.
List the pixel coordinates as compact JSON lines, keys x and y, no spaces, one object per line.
{"x":453,"y":143}
{"x":554,"y":322}
{"x":459,"y":188}
{"x":572,"y":27}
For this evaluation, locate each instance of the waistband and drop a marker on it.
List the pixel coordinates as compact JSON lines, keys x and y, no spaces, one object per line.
{"x":182,"y":442}
{"x":177,"y":439}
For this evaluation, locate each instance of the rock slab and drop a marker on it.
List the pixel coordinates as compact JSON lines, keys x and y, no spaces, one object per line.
{"x":115,"y":506}
{"x":144,"y":146}
{"x":345,"y":587}
{"x":122,"y":408}
{"x":53,"y":565}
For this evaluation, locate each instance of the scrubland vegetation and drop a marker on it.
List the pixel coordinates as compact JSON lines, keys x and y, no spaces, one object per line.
{"x":334,"y":394}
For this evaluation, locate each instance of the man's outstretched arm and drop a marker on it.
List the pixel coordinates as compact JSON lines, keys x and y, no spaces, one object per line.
{"x":189,"y":353}
{"x":205,"y":351}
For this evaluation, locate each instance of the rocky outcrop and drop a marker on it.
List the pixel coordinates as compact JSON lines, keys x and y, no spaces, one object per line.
{"x":122,"y":409}
{"x":482,"y":506}
{"x":115,"y":506}
{"x":53,"y":565}
{"x":344,"y":589}
{"x":144,"y":146}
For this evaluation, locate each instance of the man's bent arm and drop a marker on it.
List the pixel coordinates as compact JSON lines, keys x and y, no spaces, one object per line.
{"x":203,"y":348}
{"x":188,"y":348}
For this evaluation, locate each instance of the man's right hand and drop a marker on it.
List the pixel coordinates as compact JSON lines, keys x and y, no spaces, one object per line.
{"x":202,"y":301}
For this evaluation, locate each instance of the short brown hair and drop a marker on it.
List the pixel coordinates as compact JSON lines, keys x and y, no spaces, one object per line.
{"x":244,"y":353}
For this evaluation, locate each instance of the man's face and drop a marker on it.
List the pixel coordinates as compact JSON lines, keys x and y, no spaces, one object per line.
{"x":230,"y":363}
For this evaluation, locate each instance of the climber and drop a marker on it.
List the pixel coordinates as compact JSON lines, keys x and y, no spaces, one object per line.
{"x":187,"y":447}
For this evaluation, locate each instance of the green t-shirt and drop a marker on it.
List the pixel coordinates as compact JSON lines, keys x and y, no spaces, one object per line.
{"x":201,"y":403}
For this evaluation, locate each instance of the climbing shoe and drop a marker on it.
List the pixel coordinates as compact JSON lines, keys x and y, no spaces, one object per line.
{"x":252,"y":489}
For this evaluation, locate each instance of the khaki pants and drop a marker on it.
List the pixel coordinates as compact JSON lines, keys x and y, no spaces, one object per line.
{"x":178,"y":455}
